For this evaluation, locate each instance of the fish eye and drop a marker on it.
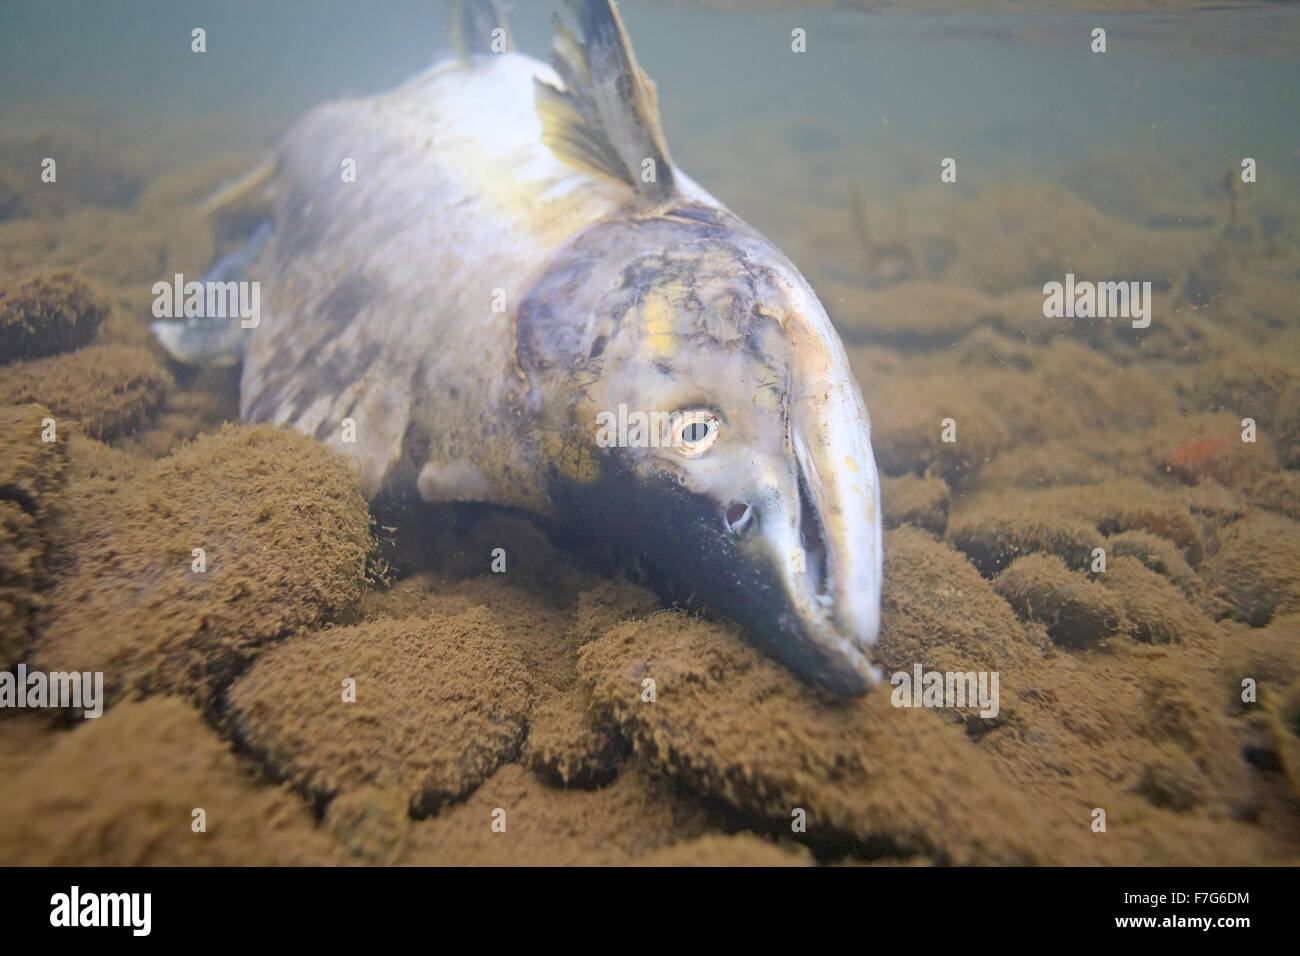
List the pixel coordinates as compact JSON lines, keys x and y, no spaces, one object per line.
{"x":694,"y":432}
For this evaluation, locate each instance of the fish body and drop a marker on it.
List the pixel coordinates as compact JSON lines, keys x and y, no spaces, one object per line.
{"x":404,"y":283}
{"x":473,"y":276}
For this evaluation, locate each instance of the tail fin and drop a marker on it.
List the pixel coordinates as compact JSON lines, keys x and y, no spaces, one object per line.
{"x":606,"y":119}
{"x":474,"y":25}
{"x":214,"y":342}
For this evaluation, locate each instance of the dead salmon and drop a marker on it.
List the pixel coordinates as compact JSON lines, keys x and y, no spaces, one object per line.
{"x":492,"y":284}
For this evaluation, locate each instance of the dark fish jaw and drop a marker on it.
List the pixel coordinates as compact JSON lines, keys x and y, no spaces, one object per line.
{"x":680,"y":539}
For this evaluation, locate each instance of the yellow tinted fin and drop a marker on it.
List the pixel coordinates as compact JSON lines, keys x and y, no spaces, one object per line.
{"x":606,"y":118}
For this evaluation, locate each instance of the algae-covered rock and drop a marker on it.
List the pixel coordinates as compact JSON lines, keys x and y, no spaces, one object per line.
{"x":737,"y":849}
{"x":1208,"y":447}
{"x":740,"y":728}
{"x":1174,"y":782}
{"x":1278,"y":491}
{"x":1158,"y":554}
{"x":107,"y":389}
{"x":526,"y":619}
{"x":909,"y":499}
{"x":1000,"y":524}
{"x":176,"y":581}
{"x":937,"y":612}
{"x":122,"y":790}
{"x":608,"y":603}
{"x":46,"y":314}
{"x":90,"y":168}
{"x":912,"y":418}
{"x":1074,"y":609}
{"x":1257,"y":568}
{"x":1155,"y":610}
{"x":428,"y":707}
{"x":568,"y":746}
{"x":370,"y":823}
{"x":514,"y":819}
{"x":1284,"y":722}
{"x":1257,"y":386}
{"x":31,"y":479}
{"x":995,"y":535}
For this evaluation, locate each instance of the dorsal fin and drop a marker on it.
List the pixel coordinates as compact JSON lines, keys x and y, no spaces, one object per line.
{"x":606,"y":119}
{"x":473,"y":25}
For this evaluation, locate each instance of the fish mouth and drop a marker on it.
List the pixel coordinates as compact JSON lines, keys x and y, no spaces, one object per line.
{"x":823,"y":550}
{"x":823,"y":615}
{"x":791,"y":595}
{"x":798,"y":566}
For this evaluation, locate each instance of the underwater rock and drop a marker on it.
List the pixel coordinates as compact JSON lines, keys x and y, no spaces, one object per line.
{"x":1155,"y":610}
{"x":1257,"y":568}
{"x":1158,"y":554}
{"x":996,"y":533}
{"x":25,"y":246}
{"x":1173,"y":783}
{"x":1086,"y":725}
{"x":123,"y":249}
{"x":526,"y":618}
{"x":1074,"y":609}
{"x":909,"y":316}
{"x":370,"y":823}
{"x":1062,"y":461}
{"x":1266,"y":656}
{"x":608,"y":603}
{"x":1021,"y":233}
{"x":736,"y":726}
{"x":184,"y":415}
{"x":433,"y":709}
{"x":94,"y":473}
{"x":25,"y":735}
{"x":1284,"y":720}
{"x":568,"y":747}
{"x":1207,"y":447}
{"x":31,"y":478}
{"x":909,"y":499}
{"x":1127,"y":505}
{"x":284,"y":534}
{"x":1121,"y":504}
{"x":539,"y":825}
{"x":736,"y":849}
{"x":121,"y":790}
{"x":46,"y":314}
{"x":90,"y":171}
{"x":108,"y":389}
{"x":1279,"y":491}
{"x":936,"y":611}
{"x":1256,"y":386}
{"x":908,"y":422}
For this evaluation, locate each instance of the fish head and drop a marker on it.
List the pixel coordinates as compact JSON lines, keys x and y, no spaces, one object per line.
{"x":732,"y":447}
